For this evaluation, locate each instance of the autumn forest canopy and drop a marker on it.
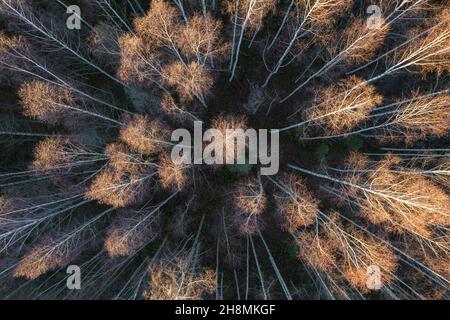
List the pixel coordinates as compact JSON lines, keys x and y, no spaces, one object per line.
{"x":91,"y":92}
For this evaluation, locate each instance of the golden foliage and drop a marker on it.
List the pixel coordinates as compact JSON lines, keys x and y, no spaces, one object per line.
{"x":201,"y":38}
{"x":124,"y":181}
{"x":172,"y":109}
{"x":229,"y":122}
{"x":169,"y":106}
{"x":317,"y":250}
{"x":190,"y":81}
{"x":411,"y":201}
{"x":8,"y":44}
{"x":420,"y":118}
{"x":358,"y":253}
{"x":160,"y":25}
{"x":132,"y":65}
{"x":44,"y":101}
{"x":53,"y":153}
{"x":430,"y":52}
{"x":249,"y":202}
{"x":38,"y":262}
{"x":51,"y":252}
{"x":253,"y":11}
{"x":103,"y":44}
{"x":173,"y":177}
{"x":390,"y":202}
{"x":144,"y":136}
{"x":357,"y":161}
{"x":343,"y":252}
{"x":130,"y":231}
{"x":296,"y":205}
{"x":320,"y":12}
{"x":360,"y":42}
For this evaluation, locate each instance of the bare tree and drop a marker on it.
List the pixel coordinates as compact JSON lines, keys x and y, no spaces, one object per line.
{"x":190,"y":81}
{"x":359,"y":43}
{"x":58,"y":155}
{"x":249,"y":202}
{"x":407,"y":202}
{"x":144,"y":136}
{"x":342,"y":114}
{"x":175,"y":280}
{"x":54,"y":104}
{"x":22,"y":11}
{"x":296,"y":205}
{"x":200,"y":40}
{"x":409,"y":120}
{"x":57,"y":249}
{"x":133,"y":229}
{"x":246,"y":16}
{"x":126,"y":180}
{"x":302,"y":18}
{"x":104,"y":45}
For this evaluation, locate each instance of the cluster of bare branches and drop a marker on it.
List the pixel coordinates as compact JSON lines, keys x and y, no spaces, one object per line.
{"x":87,"y":176}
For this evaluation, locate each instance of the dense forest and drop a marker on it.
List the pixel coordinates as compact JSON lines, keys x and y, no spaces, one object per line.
{"x":357,"y":89}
